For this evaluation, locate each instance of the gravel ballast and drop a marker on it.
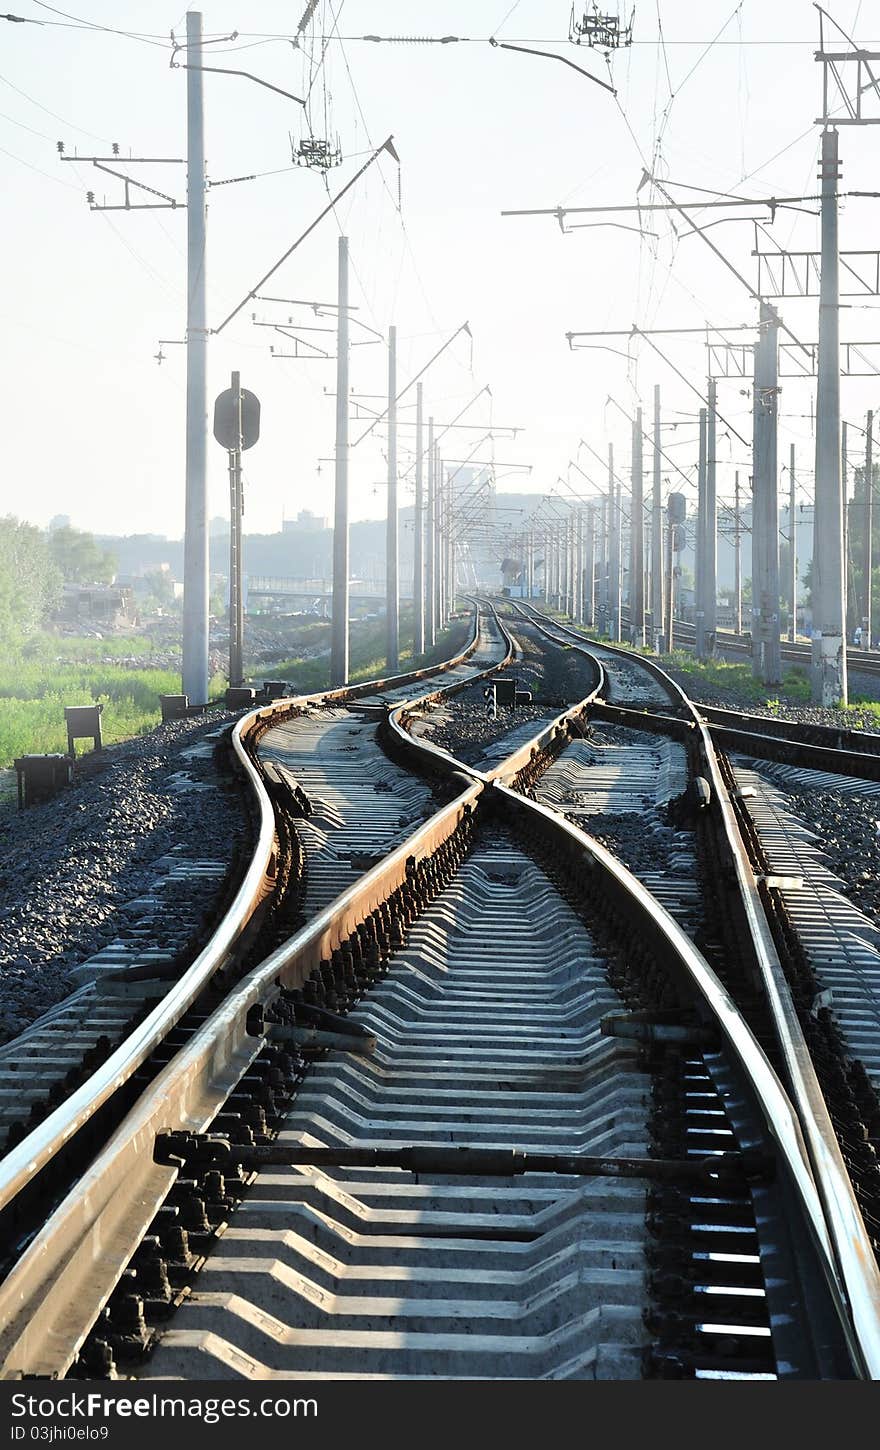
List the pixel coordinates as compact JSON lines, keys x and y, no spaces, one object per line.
{"x":69,"y":867}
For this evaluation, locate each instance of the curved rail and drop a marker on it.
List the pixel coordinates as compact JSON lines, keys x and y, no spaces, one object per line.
{"x":855,"y":1265}
{"x":21,"y":1165}
{"x":118,"y":1196}
{"x":44,"y":1308}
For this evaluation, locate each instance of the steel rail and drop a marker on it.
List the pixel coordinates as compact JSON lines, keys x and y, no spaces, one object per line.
{"x":21,"y":1165}
{"x":866,"y":662}
{"x":856,"y":1269}
{"x":753,"y":741}
{"x":123,"y":1187}
{"x":47,"y":1302}
{"x":555,"y":731}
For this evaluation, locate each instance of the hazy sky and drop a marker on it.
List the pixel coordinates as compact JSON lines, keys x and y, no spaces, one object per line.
{"x":94,"y":426}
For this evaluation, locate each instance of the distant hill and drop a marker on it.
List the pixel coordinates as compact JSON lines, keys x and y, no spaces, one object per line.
{"x":297,"y":552}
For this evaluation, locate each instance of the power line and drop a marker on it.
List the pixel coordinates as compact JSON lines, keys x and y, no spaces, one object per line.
{"x":81,"y":24}
{"x":54,"y":114}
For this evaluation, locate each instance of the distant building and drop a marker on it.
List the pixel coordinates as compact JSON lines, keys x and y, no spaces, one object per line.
{"x":106,"y":605}
{"x":305,"y":523}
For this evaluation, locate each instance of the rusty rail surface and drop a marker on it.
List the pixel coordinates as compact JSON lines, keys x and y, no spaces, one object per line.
{"x":20,"y":1166}
{"x":48,"y":1303}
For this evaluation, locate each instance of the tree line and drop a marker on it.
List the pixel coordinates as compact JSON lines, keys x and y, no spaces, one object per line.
{"x":34,"y":567}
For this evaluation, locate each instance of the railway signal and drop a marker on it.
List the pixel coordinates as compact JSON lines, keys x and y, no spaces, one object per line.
{"x":236,"y":427}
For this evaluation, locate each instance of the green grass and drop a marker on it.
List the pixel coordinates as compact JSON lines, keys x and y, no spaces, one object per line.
{"x":49,"y":673}
{"x":871,"y":707}
{"x":34,"y":692}
{"x":46,"y":648}
{"x":367,"y":654}
{"x":709,"y":675}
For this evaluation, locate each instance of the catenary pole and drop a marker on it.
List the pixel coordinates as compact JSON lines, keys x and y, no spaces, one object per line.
{"x":392,"y":588}
{"x":737,"y":558}
{"x":195,"y":547}
{"x":656,"y":532}
{"x":792,"y":548}
{"x":700,"y":559}
{"x":868,"y":631}
{"x":710,"y":572}
{"x":614,"y":532}
{"x":766,"y":653}
{"x":419,"y":535}
{"x":829,"y":622}
{"x":430,"y":621}
{"x":339,"y":626}
{"x":637,"y":539}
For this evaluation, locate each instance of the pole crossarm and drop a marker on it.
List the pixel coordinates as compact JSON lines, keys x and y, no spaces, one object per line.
{"x":849,"y":96}
{"x":388,"y":146}
{"x":647,"y":437}
{"x":774,"y":203}
{"x":633,"y":331}
{"x":445,"y":427}
{"x":796,"y":274}
{"x":166,"y":202}
{"x":734,"y":359}
{"x":636,"y":332}
{"x":465,"y":327}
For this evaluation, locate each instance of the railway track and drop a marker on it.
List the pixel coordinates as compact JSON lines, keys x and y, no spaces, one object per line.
{"x":488,"y":1112}
{"x":862,"y":661}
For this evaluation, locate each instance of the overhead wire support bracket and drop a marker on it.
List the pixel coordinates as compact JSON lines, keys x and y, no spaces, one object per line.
{"x":226,"y":71}
{"x":167,"y":203}
{"x":387,"y":145}
{"x":465,"y":327}
{"x":551,"y":55}
{"x":831,"y":59}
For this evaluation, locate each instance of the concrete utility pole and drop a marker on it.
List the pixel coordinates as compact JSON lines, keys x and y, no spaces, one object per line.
{"x":438,"y":573}
{"x":450,"y":547}
{"x":847,"y":552}
{"x":792,"y":546}
{"x":710,"y":569}
{"x":579,"y":567}
{"x":700,"y":551}
{"x":637,"y":539}
{"x":829,"y":619}
{"x":766,"y":655}
{"x":392,"y":587}
{"x":590,"y":568}
{"x":867,"y":628}
{"x":236,"y":596}
{"x":339,"y":625}
{"x":656,"y":532}
{"x":195,"y":546}
{"x":430,"y":618}
{"x":613,"y":550}
{"x":602,"y":607}
{"x":737,"y":558}
{"x":670,"y":582}
{"x":419,"y":537}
